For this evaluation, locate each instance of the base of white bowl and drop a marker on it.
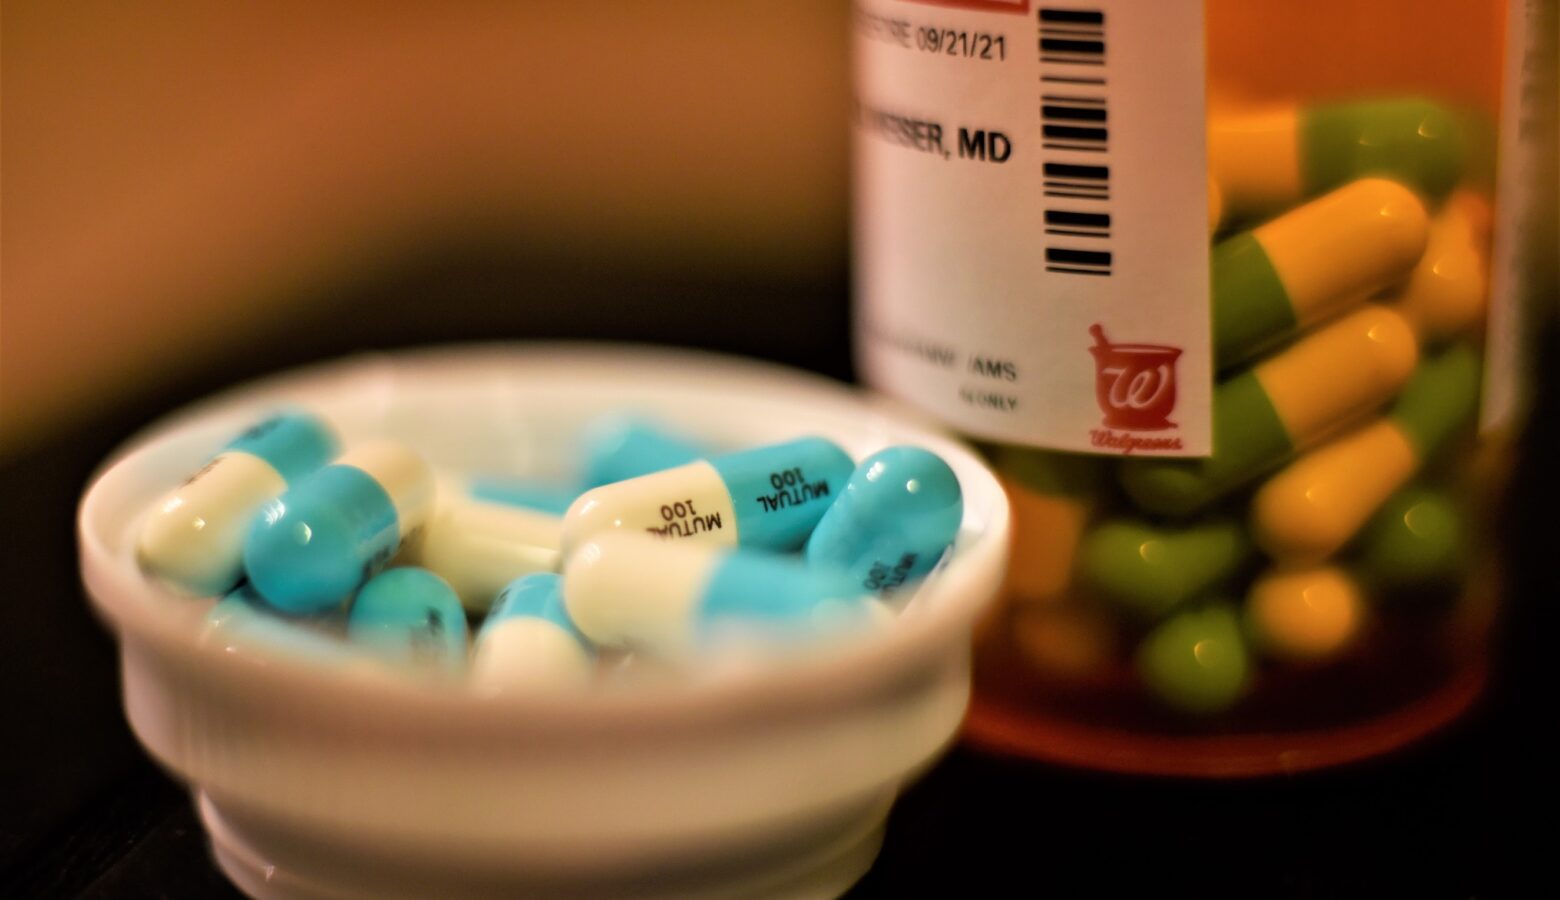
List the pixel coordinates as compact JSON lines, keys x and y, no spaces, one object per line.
{"x":824,"y":864}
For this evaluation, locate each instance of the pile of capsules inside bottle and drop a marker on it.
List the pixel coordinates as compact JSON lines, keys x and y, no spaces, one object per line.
{"x":1348,"y":274}
{"x":659,"y":559}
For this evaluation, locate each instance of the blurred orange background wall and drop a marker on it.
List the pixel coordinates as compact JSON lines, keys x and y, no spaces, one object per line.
{"x":175,"y":172}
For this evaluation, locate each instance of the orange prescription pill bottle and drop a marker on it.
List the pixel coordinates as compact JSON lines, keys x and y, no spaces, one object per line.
{"x":1232,"y":294}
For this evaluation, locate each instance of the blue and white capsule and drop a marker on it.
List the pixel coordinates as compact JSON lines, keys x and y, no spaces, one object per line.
{"x":410,"y":617}
{"x":682,"y":598}
{"x":528,"y":642}
{"x":310,"y":548}
{"x":899,"y":512}
{"x":768,"y":498}
{"x":617,"y":448}
{"x":194,"y":536}
{"x":480,"y":547}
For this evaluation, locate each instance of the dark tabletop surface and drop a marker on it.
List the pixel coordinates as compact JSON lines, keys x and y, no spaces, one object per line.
{"x":83,"y":813}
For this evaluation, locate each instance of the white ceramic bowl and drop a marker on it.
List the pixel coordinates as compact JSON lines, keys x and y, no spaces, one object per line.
{"x":320,"y":783}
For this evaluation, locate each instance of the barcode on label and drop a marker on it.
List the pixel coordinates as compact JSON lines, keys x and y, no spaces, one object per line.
{"x":1075,"y":120}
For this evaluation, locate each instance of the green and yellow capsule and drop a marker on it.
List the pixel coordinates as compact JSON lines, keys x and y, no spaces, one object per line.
{"x":1271,"y":159}
{"x":1312,"y":262}
{"x":1293,"y":400}
{"x":1308,"y":511}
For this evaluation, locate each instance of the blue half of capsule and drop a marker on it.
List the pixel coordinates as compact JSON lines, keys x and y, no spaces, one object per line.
{"x":410,"y":616}
{"x":776,"y":594}
{"x":898,"y":514}
{"x":779,"y":492}
{"x":312,"y":546}
{"x":621,"y":447}
{"x":294,"y":443}
{"x":535,"y":596}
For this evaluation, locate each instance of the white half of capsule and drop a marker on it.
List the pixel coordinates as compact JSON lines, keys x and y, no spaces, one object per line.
{"x":195,"y":534}
{"x":480,"y":547}
{"x":405,"y":477}
{"x":524,"y":653}
{"x":687,"y":501}
{"x":262,"y":636}
{"x":629,"y":590}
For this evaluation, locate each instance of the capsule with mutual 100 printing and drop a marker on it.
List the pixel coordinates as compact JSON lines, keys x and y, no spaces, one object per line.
{"x":899,"y":512}
{"x":768,"y":498}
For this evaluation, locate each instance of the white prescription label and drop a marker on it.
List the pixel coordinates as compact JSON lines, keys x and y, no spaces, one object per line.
{"x":1031,"y":219}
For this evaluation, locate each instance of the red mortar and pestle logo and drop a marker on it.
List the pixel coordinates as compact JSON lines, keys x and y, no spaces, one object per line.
{"x":1134,"y":383}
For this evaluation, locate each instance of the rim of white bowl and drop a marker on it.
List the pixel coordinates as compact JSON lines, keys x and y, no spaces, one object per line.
{"x":134,"y":604}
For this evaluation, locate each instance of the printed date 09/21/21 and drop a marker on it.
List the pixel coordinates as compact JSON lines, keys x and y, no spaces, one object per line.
{"x":932,"y":39}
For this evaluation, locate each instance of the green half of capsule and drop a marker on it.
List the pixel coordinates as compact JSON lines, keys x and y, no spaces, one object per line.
{"x":1412,"y":140}
{"x":1148,"y":571}
{"x":1197,"y":661}
{"x":1418,"y":540}
{"x":1440,"y":400}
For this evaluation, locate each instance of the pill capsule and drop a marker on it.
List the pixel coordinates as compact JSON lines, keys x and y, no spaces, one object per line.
{"x":481,"y":547}
{"x":1304,"y":615}
{"x":242,"y":624}
{"x":528,"y":641}
{"x":1445,"y":293}
{"x":526,"y":493}
{"x":769,"y":498}
{"x":675,"y":599}
{"x":899,"y":511}
{"x":1417,"y":540}
{"x":1069,"y":642}
{"x":618,"y":448}
{"x":311,"y":547}
{"x":1271,"y":159}
{"x":1147,"y":571}
{"x":1197,"y":661}
{"x":1335,"y":251}
{"x":410,"y":617}
{"x":1051,"y":496}
{"x":194,"y":536}
{"x":1308,"y":511}
{"x":1290,"y":401}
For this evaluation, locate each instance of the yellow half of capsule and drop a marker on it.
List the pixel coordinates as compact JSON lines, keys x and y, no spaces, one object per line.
{"x":1339,"y":373}
{"x":1255,"y":158}
{"x":1345,"y":246}
{"x":1445,"y":293}
{"x":1305,"y":614}
{"x":1311,"y":509}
